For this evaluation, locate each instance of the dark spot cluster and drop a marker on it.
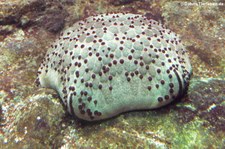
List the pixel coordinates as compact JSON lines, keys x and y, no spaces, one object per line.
{"x":83,"y":101}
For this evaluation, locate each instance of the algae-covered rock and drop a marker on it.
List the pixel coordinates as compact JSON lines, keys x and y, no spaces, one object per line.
{"x":194,"y":121}
{"x":37,"y":123}
{"x":47,"y":14}
{"x":208,"y":98}
{"x":201,"y":25}
{"x":1,"y":100}
{"x":120,"y":2}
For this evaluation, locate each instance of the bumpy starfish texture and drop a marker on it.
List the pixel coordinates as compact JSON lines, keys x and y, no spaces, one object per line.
{"x":112,"y":63}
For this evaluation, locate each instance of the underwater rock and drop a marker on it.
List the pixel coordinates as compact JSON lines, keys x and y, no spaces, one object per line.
{"x":1,"y":100}
{"x":120,"y":2}
{"x":112,"y":63}
{"x":5,"y":30}
{"x":39,"y":120}
{"x":207,"y":96}
{"x":43,"y":13}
